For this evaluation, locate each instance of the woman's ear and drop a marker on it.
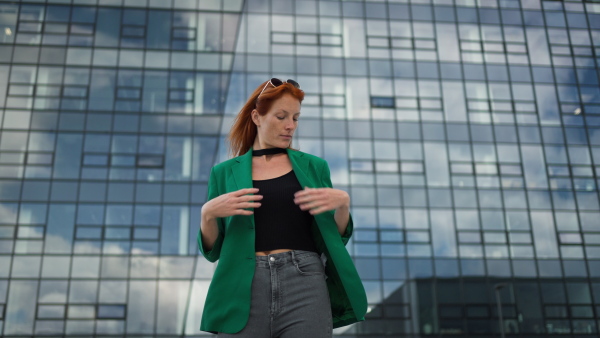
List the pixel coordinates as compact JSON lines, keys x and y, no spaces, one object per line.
{"x":254,"y":115}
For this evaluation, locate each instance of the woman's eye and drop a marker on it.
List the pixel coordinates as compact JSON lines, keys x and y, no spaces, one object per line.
{"x":280,"y":118}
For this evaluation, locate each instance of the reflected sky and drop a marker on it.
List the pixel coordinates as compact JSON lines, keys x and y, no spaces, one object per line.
{"x":486,"y":153}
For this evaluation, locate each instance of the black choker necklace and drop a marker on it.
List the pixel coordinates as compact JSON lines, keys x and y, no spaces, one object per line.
{"x":268,"y":151}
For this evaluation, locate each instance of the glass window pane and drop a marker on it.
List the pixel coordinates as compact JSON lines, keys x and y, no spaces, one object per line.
{"x":20,"y":310}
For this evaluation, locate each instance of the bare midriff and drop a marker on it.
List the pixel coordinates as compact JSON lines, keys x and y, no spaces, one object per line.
{"x":271,"y":252}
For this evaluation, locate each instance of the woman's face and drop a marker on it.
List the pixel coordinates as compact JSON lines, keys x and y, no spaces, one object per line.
{"x":277,"y":126}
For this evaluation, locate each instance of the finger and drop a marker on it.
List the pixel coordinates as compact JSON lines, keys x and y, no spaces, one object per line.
{"x":312,"y":197}
{"x":247,"y":198}
{"x":318,"y":210}
{"x":246,"y":191}
{"x":243,"y":212}
{"x":307,"y":194}
{"x":305,"y":191}
{"x":300,"y":201}
{"x":314,"y":194}
{"x":308,"y":206}
{"x":248,"y":205}
{"x":304,"y":200}
{"x":304,"y":206}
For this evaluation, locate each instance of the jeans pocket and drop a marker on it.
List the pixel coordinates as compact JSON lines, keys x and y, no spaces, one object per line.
{"x":309,"y":266}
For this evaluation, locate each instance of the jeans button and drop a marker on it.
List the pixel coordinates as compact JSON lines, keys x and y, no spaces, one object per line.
{"x":272,"y":259}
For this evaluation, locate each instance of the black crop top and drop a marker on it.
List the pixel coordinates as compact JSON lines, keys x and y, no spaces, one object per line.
{"x":280,"y":223}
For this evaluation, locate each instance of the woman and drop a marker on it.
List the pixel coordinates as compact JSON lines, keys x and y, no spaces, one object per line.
{"x":269,"y":232}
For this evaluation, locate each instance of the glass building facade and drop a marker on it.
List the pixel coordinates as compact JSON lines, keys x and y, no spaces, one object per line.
{"x":467,"y":133}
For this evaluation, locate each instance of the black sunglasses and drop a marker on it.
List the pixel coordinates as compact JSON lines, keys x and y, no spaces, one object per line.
{"x":275,"y":82}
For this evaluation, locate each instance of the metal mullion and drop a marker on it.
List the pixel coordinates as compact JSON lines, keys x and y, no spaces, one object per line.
{"x":450,"y":186}
{"x":17,"y":225}
{"x":566,"y":147}
{"x":519,"y":144}
{"x":467,"y":123}
{"x":74,"y":239}
{"x":538,"y":281}
{"x":589,"y":148}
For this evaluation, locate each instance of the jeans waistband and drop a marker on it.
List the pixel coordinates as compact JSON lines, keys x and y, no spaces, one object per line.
{"x":285,"y":257}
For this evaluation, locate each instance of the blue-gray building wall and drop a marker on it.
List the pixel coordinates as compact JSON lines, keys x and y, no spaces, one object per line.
{"x":467,"y":133}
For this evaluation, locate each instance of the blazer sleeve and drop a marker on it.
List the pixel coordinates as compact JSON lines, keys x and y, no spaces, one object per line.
{"x":213,"y":254}
{"x":326,"y":179}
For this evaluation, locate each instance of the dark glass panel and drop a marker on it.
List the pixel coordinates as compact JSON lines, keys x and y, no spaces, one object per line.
{"x":427,"y":70}
{"x":433,"y":132}
{"x":393,"y":268}
{"x":472,"y":267}
{"x":451,"y":71}
{"x":282,"y":7}
{"x":477,"y":291}
{"x":83,"y":14}
{"x":111,"y":311}
{"x":489,"y":16}
{"x":58,"y":13}
{"x":542,"y":74}
{"x":376,"y":11}
{"x":444,"y":13}
{"x":466,"y":14}
{"x":474,"y":72}
{"x":446,"y":268}
{"x":528,"y":304}
{"x":482,"y":133}
{"x":520,"y":73}
{"x":579,"y":293}
{"x":159,"y":30}
{"x":449,"y":292}
{"x":353,"y":9}
{"x":440,"y":198}
{"x":380,"y":68}
{"x":382,"y":102}
{"x":511,"y":17}
{"x":555,"y":19}
{"x":404,"y":69}
{"x":421,"y":12}
{"x":499,"y":268}
{"x":497,"y":72}
{"x":424,"y":291}
{"x":533,"y":18}
{"x":549,"y":268}
{"x":477,"y":311}
{"x":108,"y":27}
{"x":410,"y":131}
{"x":587,"y":76}
{"x":368,"y":268}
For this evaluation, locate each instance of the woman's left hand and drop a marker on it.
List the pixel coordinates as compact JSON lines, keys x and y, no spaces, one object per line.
{"x":319,"y":200}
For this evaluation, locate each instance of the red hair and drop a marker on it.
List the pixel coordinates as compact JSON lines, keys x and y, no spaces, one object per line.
{"x":243,"y":132}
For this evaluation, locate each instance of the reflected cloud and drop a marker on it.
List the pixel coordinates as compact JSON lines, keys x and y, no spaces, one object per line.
{"x":8,"y":213}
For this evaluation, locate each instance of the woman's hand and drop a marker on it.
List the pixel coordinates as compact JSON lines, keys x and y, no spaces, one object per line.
{"x":319,"y":200}
{"x":233,"y":203}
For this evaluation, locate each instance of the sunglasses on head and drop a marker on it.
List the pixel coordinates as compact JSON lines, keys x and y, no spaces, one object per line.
{"x":275,"y":82}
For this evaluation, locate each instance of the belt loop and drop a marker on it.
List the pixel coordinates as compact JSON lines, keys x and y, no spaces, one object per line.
{"x":293,"y":256}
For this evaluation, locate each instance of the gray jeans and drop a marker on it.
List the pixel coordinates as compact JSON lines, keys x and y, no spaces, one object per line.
{"x":289,"y":298}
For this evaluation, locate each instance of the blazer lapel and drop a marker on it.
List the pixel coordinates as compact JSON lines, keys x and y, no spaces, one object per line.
{"x":300,"y":166}
{"x":242,"y":171}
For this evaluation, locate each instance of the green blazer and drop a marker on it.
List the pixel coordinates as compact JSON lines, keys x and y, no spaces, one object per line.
{"x":227,"y":305}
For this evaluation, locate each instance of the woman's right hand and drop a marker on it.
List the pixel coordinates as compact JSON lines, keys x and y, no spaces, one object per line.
{"x":233,"y":203}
